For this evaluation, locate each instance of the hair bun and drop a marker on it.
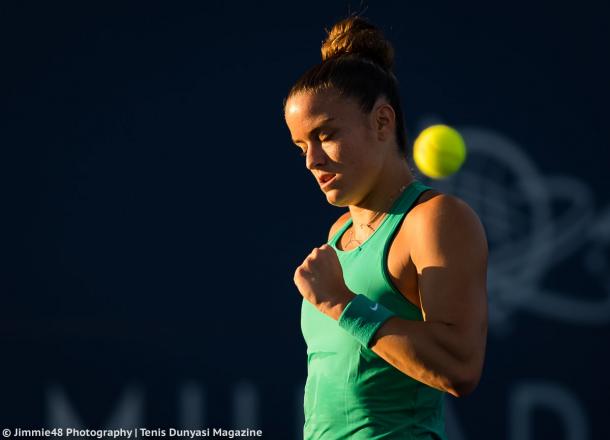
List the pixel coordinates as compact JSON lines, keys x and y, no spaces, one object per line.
{"x":355,"y":35}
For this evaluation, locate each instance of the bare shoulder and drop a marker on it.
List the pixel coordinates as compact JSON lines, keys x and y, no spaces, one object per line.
{"x":442,"y":205}
{"x":446,"y":221}
{"x":338,"y":223}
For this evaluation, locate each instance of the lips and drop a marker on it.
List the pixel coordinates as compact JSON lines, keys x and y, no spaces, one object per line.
{"x":326,"y":179}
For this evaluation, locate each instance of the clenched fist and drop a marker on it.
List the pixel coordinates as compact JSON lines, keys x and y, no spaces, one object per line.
{"x":320,"y":280}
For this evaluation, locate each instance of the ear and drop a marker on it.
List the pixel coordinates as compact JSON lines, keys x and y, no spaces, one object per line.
{"x":384,"y":120}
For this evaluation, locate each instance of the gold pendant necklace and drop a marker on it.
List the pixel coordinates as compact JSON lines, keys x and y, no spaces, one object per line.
{"x":351,"y":231}
{"x":377,"y":214}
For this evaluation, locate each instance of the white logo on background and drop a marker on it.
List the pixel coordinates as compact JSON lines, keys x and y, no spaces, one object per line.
{"x":534,"y":223}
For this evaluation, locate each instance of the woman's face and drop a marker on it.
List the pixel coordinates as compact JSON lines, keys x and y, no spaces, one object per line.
{"x":336,"y":137}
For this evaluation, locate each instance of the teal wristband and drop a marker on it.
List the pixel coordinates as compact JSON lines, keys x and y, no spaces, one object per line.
{"x":362,"y":317}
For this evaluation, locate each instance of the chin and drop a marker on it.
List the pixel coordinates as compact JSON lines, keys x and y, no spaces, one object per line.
{"x":335,"y":201}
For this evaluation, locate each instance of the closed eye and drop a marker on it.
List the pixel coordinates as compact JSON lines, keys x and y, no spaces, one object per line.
{"x":326,"y":138}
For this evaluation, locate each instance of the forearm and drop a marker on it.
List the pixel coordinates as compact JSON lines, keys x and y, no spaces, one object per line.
{"x":434,"y":353}
{"x":443,"y":355}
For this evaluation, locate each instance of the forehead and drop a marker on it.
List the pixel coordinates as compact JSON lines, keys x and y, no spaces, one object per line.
{"x":309,"y":107}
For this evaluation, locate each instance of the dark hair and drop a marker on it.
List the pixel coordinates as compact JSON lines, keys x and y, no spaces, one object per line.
{"x":357,"y":61}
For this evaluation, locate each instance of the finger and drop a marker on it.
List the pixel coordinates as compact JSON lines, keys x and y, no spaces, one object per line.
{"x":305,"y":267}
{"x":299,"y":273}
{"x":327,"y":247}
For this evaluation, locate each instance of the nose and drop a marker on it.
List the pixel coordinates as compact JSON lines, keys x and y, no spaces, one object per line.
{"x":315,"y":157}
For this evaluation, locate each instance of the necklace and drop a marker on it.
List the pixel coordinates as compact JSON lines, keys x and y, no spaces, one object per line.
{"x":375,"y":217}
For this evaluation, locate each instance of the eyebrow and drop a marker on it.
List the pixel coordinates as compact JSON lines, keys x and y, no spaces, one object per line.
{"x":313,"y":130}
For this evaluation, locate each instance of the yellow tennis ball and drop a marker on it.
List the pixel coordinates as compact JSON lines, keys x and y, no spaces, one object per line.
{"x":439,"y":151}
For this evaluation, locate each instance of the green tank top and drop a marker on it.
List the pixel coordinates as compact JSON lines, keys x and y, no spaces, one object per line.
{"x":351,"y":392}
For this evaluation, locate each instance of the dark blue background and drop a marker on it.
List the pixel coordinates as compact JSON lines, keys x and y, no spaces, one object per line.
{"x":154,"y":208}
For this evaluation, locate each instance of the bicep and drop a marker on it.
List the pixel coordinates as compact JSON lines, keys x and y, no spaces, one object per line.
{"x":449,"y":250}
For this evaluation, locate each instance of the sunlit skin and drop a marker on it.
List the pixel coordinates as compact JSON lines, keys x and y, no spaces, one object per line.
{"x":437,"y":259}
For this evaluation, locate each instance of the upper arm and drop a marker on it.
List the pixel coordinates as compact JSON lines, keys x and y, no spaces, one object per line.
{"x":449,"y":250}
{"x":337,"y":225}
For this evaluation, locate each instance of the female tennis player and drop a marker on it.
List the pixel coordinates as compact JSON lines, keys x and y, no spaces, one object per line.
{"x":394,"y":310}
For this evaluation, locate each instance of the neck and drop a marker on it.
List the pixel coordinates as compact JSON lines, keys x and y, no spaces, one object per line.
{"x":378,"y":201}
